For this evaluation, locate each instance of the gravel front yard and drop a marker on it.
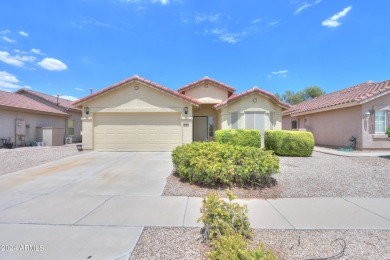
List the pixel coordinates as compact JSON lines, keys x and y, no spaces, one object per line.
{"x":185,"y":243}
{"x":321,"y":175}
{"x":22,"y":158}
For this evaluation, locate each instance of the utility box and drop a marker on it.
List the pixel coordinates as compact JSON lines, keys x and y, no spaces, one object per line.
{"x":51,"y":136}
{"x":20,"y":127}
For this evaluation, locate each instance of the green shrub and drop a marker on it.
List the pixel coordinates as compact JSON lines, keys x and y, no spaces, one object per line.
{"x":289,"y":143}
{"x":244,"y":137}
{"x":226,"y":224}
{"x":222,"y":218}
{"x":388,"y":131}
{"x":236,"y":247}
{"x":213,"y":164}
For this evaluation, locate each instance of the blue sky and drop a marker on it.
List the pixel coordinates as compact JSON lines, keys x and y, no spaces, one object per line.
{"x":66,"y":47}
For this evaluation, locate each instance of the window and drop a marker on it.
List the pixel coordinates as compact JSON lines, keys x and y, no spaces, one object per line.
{"x":70,"y":127}
{"x":211,"y":126}
{"x":255,"y":120}
{"x":380,"y":121}
{"x":294,"y":124}
{"x":234,"y":120}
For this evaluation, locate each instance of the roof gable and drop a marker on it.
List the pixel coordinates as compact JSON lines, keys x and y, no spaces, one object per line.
{"x":139,"y":79}
{"x":354,"y":95}
{"x":64,"y":103}
{"x":18,"y":101}
{"x":237,"y":97}
{"x":205,"y":80}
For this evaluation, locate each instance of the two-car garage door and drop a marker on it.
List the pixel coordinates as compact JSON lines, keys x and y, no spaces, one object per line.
{"x":137,"y":131}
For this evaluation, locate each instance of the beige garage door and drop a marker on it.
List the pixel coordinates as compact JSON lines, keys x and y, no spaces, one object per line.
{"x":137,"y":131}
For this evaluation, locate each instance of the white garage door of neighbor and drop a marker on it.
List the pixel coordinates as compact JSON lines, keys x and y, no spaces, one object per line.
{"x":137,"y":131}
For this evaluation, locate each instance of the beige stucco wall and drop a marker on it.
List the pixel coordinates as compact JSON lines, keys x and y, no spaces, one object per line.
{"x":50,"y":136}
{"x":246,"y":104}
{"x":8,"y":120}
{"x":375,"y":141}
{"x":128,"y":99}
{"x":208,"y":93}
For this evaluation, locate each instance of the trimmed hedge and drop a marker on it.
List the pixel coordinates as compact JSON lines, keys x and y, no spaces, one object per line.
{"x":244,"y":137}
{"x":289,"y":143}
{"x":213,"y":164}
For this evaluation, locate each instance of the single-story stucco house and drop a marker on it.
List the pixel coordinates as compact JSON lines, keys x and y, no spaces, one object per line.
{"x":139,"y":115}
{"x":25,"y":117}
{"x":361,"y":111}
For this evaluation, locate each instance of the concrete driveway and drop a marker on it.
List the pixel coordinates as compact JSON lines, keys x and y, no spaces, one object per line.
{"x":44,"y":210}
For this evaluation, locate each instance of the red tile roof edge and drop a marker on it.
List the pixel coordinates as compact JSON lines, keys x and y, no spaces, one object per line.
{"x":136,"y":78}
{"x":251,"y":91}
{"x":18,"y":101}
{"x":193,"y":84}
{"x":64,"y":103}
{"x":359,"y":93}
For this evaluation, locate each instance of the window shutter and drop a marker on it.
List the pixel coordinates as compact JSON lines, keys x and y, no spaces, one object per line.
{"x":234,"y":120}
{"x":371,"y":121}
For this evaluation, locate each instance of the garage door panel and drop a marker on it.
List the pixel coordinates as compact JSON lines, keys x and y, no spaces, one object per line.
{"x":137,"y":131}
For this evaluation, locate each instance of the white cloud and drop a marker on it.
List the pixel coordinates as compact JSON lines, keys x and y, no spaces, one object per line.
{"x":79,"y":89}
{"x":71,"y":98}
{"x":52,"y":64}
{"x":305,"y":6}
{"x":279,"y":73}
{"x":163,"y":2}
{"x":212,"y":18}
{"x":9,"y":81}
{"x":37,"y":51}
{"x":6,"y":39}
{"x":334,"y":20}
{"x":17,"y":60}
{"x":258,"y":20}
{"x":225,"y":36}
{"x":23,"y":33}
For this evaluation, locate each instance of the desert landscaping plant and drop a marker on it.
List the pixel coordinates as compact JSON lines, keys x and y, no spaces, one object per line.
{"x":289,"y":143}
{"x":216,"y":164}
{"x":227,"y":226}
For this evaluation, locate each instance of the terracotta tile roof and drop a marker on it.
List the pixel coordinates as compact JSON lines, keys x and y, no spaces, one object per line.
{"x":52,"y":99}
{"x":15,"y":100}
{"x":205,"y":79}
{"x":251,"y":91}
{"x":136,"y":78}
{"x":355,"y":94}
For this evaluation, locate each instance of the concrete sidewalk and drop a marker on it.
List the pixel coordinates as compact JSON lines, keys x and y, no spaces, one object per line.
{"x":108,"y":227}
{"x":353,"y":153}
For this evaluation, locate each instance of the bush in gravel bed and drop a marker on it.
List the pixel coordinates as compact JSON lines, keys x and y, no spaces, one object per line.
{"x":244,"y":137}
{"x":222,"y":218}
{"x":289,"y":143}
{"x":223,"y":164}
{"x":227,"y":225}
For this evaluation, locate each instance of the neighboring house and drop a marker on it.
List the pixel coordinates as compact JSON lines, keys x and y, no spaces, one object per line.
{"x":139,"y":115}
{"x":72,"y":124}
{"x":362,"y":111}
{"x":24,"y":119}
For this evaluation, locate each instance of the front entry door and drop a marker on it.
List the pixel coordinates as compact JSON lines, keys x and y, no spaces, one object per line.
{"x":200,"y":128}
